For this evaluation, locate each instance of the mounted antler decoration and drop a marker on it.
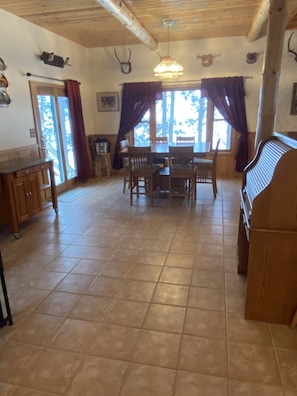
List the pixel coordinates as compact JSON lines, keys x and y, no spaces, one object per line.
{"x":289,"y":49}
{"x":126,"y":67}
{"x":206,"y":60}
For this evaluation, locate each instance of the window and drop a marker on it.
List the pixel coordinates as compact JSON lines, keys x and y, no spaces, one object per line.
{"x":182,"y":112}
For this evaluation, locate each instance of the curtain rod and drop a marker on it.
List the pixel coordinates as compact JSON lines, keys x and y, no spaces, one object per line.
{"x":48,"y":78}
{"x":195,"y":81}
{"x":191,"y":81}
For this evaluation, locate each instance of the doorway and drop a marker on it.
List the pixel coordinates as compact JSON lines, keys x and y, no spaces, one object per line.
{"x":54,"y":131}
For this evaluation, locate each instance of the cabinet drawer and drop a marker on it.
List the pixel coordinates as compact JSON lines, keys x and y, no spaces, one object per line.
{"x":41,"y":167}
{"x":24,"y":172}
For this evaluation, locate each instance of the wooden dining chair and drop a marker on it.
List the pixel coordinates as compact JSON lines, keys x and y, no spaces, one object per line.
{"x":207,"y":170}
{"x":185,"y":139}
{"x":182,"y":173}
{"x":159,"y":159}
{"x":142,"y":169}
{"x":126,"y":169}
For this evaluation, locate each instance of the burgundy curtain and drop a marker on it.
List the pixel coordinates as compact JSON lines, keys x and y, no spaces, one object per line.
{"x":78,"y":130}
{"x":227,"y":94}
{"x":136,"y":100}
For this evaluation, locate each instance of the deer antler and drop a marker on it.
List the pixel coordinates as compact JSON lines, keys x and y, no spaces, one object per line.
{"x":124,"y":64}
{"x":289,"y":49}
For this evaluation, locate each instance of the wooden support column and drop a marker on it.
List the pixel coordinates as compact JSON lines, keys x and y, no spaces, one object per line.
{"x":277,"y":20}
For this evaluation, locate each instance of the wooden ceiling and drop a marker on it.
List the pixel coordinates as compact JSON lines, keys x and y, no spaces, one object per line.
{"x":87,"y":23}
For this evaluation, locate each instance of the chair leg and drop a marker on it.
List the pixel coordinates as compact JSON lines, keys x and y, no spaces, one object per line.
{"x":214,"y":185}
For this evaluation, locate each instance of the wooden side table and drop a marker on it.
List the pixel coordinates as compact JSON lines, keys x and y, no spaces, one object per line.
{"x":102,"y":164}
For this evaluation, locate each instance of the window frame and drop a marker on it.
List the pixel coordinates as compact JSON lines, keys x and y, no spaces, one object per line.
{"x":209,"y":116}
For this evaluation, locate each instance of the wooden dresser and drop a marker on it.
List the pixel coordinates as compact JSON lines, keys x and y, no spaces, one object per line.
{"x":26,"y":188}
{"x":267,"y":238}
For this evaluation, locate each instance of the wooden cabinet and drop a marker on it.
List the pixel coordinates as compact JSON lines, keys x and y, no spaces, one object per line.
{"x":21,"y":191}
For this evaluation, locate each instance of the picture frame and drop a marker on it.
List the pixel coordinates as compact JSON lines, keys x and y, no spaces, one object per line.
{"x":108,"y":101}
{"x":294,"y":100}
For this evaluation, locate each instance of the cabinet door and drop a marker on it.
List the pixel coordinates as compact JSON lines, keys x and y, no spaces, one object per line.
{"x":34,"y":193}
{"x":22,"y":199}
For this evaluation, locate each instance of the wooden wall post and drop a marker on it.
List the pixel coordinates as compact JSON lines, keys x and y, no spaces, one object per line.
{"x":277,"y":20}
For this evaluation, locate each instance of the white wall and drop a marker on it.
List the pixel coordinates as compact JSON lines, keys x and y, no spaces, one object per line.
{"x":97,"y":69}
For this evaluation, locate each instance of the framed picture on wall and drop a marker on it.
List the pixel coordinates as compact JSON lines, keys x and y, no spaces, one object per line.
{"x":294,"y":100}
{"x":108,"y":101}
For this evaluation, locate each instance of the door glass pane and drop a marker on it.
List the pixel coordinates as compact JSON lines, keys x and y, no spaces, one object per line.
{"x":142,"y":130}
{"x":67,"y":137}
{"x":221,"y":130}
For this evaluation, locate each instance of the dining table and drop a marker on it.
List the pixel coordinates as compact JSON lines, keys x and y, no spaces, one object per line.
{"x":162,"y":148}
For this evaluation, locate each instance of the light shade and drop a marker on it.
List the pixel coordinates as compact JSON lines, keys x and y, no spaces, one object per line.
{"x":168,"y":68}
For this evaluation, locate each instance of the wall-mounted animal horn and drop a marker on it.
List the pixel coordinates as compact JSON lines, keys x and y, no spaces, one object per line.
{"x":126,"y":67}
{"x":206,"y":60}
{"x":251,"y":57}
{"x":289,"y":49}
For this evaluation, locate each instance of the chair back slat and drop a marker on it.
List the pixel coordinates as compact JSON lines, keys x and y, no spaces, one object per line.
{"x":185,"y":139}
{"x":140,"y":160}
{"x":181,"y":160}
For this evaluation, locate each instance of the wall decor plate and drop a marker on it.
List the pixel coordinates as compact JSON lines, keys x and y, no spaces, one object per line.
{"x":3,"y":81}
{"x":4,"y":98}
{"x":2,"y":64}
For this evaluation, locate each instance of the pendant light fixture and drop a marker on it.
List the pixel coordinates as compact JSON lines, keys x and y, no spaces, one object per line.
{"x":168,"y":68}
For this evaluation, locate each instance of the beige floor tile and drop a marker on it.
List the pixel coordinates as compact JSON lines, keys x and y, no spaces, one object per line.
{"x":127,"y":313}
{"x":154,"y":245}
{"x":204,"y":323}
{"x":212,"y":263}
{"x":99,"y":376}
{"x":179,"y":260}
{"x":238,"y":388}
{"x":115,"y":342}
{"x":284,"y":337}
{"x":163,"y":350}
{"x":117,"y":269}
{"x":247,"y":331}
{"x":235,"y":301}
{"x":183,"y":247}
{"x":62,"y":264}
{"x":103,"y":286}
{"x":207,"y":249}
{"x":137,"y":290}
{"x":93,"y":308}
{"x":58,"y":303}
{"x":148,"y":380}
{"x":46,"y":280}
{"x":99,"y":253}
{"x":204,"y":355}
{"x":194,"y":384}
{"x":89,"y":267}
{"x":205,"y":278}
{"x":253,"y":363}
{"x":212,"y":239}
{"x":15,"y":359}
{"x":28,"y":392}
{"x":231,"y":264}
{"x":75,"y":283}
{"x":5,"y":389}
{"x":78,"y":251}
{"x":165,"y":318}
{"x":178,"y":276}
{"x":235,"y":281}
{"x":75,"y":335}
{"x":27,"y":299}
{"x":288,"y":368}
{"x":206,"y":298}
{"x":53,"y":371}
{"x":37,"y":330}
{"x":137,"y":256}
{"x":145,"y":272}
{"x":171,"y":294}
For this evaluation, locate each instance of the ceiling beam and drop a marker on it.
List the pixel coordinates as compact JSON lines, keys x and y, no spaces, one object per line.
{"x":260,"y":18}
{"x":118,"y":9}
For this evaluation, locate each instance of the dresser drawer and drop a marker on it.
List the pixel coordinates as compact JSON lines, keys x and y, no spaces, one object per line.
{"x":24,"y":172}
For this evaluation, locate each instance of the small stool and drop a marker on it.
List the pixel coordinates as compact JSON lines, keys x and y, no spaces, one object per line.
{"x":102,"y":162}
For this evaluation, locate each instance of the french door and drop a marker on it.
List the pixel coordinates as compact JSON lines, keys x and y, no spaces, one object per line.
{"x":54,"y":132}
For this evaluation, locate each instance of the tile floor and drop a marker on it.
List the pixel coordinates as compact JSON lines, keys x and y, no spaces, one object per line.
{"x":116,"y":300}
